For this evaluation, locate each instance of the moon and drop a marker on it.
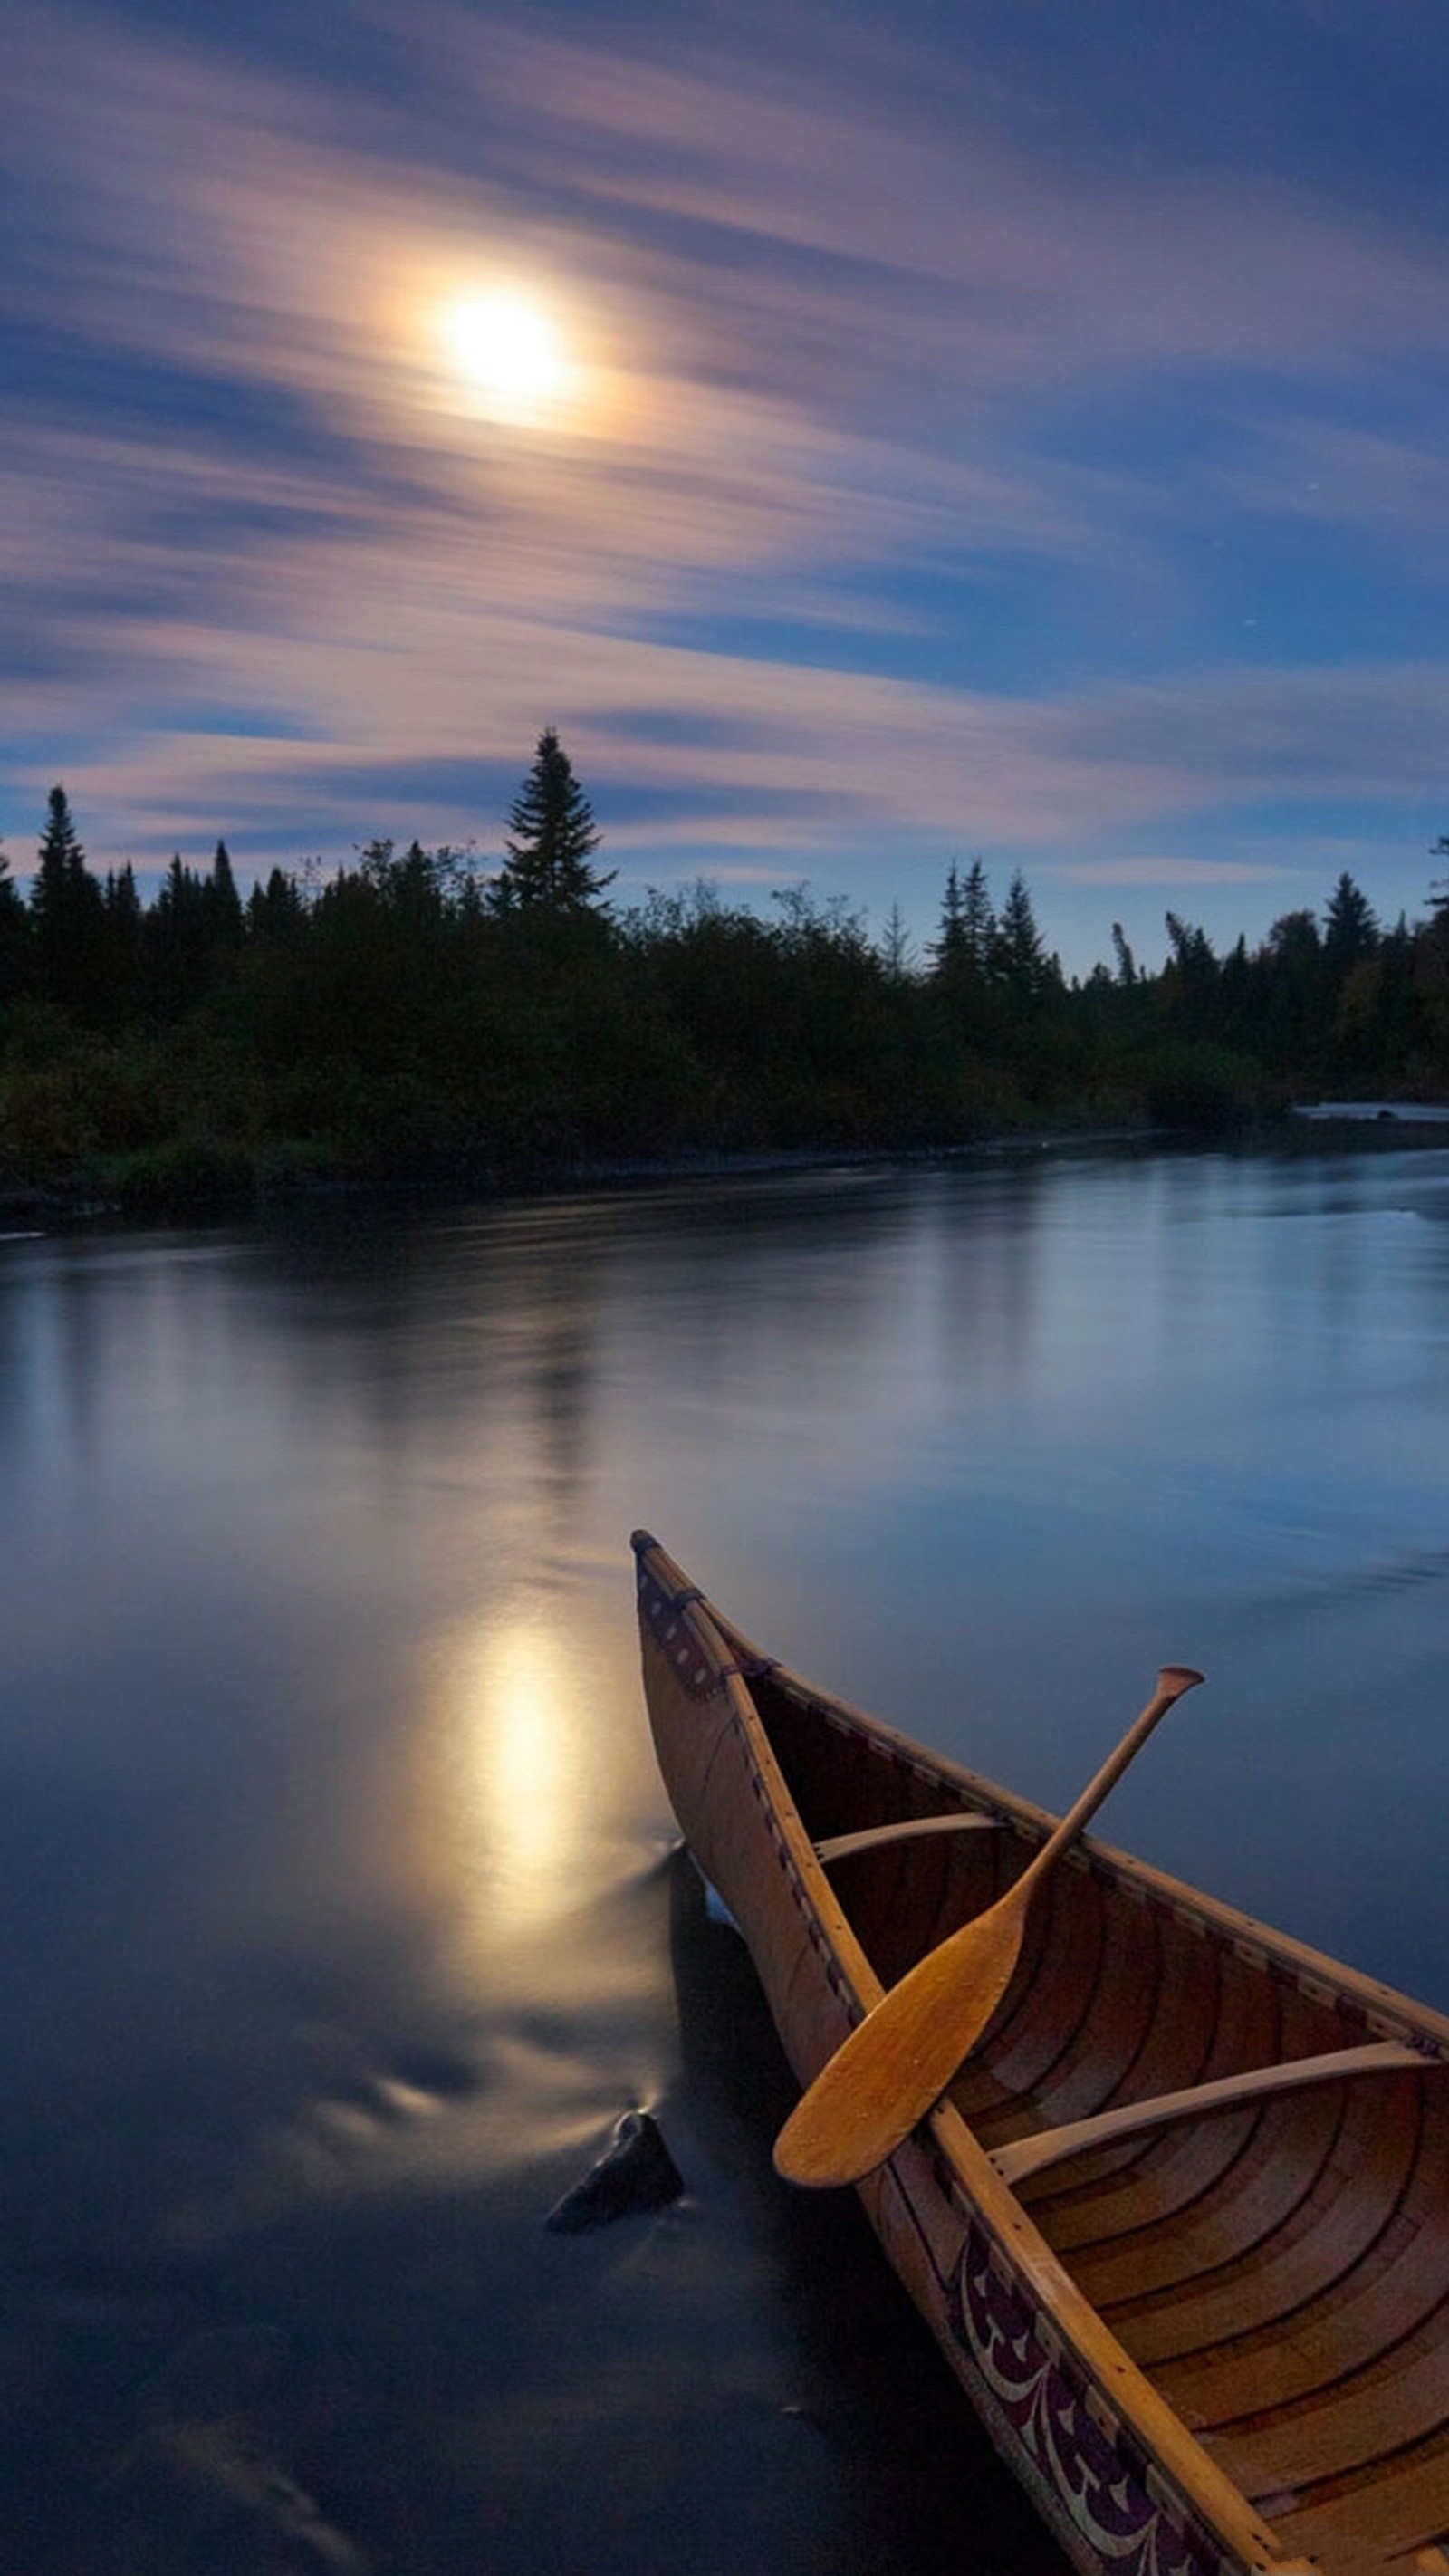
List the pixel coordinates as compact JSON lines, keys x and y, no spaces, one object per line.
{"x":510,"y":352}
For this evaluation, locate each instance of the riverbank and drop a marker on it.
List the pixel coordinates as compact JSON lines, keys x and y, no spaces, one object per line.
{"x":1377,"y":1113}
{"x":192,"y":1185}
{"x":199,"y":1178}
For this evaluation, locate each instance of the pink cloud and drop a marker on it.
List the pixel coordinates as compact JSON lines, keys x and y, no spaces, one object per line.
{"x":842,"y":755}
{"x":1031,"y":274}
{"x":817,"y":306}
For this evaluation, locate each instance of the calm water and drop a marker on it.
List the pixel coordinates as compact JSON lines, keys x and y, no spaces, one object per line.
{"x":342,"y":1913}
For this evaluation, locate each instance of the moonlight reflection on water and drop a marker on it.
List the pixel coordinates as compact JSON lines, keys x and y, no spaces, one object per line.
{"x":516,"y":1756}
{"x":343,"y":1918}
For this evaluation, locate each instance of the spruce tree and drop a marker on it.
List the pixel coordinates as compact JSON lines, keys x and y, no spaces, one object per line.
{"x":178,"y":928}
{"x":14,"y":933}
{"x":897,"y":948}
{"x":64,"y":891}
{"x":552,"y":836}
{"x":120,"y":898}
{"x":1020,"y":964}
{"x":1290,"y":980}
{"x":223,"y":901}
{"x":66,"y":910}
{"x":274,"y":911}
{"x":1350,"y":929}
{"x":961,"y":950}
{"x":125,"y":936}
{"x":978,"y":921}
{"x":948,"y":948}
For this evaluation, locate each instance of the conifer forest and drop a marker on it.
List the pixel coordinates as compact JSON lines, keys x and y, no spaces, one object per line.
{"x":417,"y":1016}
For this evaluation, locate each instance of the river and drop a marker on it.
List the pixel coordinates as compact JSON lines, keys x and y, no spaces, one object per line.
{"x":343,"y":1914}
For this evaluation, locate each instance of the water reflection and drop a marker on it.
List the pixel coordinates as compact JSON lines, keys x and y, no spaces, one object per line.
{"x":514,"y":1729}
{"x":330,"y":1836}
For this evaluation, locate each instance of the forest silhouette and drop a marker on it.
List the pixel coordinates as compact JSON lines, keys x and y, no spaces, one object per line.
{"x":414,"y":1016}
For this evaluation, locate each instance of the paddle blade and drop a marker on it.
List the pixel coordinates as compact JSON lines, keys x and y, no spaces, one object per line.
{"x":900,"y":2059}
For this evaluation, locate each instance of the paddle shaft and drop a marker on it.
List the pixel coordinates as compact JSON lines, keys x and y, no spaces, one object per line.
{"x":1172,"y":1681}
{"x":898,"y":2061}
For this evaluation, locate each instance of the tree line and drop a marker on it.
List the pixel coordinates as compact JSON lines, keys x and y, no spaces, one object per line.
{"x":412,"y":1014}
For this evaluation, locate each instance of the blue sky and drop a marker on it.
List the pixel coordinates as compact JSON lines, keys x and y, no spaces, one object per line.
{"x":1014,"y":430}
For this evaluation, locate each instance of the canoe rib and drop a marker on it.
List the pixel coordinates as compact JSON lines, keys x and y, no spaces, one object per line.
{"x":1224,"y":2092}
{"x":1221,"y":2319}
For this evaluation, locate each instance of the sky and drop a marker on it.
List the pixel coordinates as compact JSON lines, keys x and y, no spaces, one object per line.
{"x":875,"y":437}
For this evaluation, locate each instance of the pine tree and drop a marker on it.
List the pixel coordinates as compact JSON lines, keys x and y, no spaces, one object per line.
{"x":178,"y":937}
{"x":223,"y":902}
{"x":552,"y":836}
{"x":1350,"y":928}
{"x":1190,"y":980}
{"x":125,"y":934}
{"x":119,"y":896}
{"x":1020,"y":964}
{"x":948,"y":948}
{"x":978,"y":921}
{"x":66,"y":910}
{"x":1289,"y":979}
{"x":1192,"y":951}
{"x":14,"y":933}
{"x":64,"y":890}
{"x":275,"y":910}
{"x":961,"y":951}
{"x":897,"y":948}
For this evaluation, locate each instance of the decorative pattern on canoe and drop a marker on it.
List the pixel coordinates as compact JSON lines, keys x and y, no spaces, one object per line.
{"x":1102,"y":2490}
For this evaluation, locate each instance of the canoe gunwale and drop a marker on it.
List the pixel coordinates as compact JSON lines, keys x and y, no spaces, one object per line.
{"x":1220,"y":2532}
{"x":1321,"y":1978}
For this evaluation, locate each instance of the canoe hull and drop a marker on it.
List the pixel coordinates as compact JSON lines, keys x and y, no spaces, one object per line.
{"x":1108,"y":2503}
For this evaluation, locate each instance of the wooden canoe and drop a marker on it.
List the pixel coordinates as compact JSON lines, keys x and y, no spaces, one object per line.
{"x":1181,"y":2224}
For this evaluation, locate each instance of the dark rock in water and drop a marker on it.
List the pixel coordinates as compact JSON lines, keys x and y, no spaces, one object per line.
{"x":637,"y":2173}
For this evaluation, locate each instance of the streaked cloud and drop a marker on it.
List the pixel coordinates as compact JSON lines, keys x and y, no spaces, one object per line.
{"x":943,"y":479}
{"x":1392,"y":483}
{"x":1162,"y":871}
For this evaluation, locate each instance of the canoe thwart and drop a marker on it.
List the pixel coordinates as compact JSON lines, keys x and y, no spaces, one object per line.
{"x":1224,"y":2092}
{"x":837,"y":1846}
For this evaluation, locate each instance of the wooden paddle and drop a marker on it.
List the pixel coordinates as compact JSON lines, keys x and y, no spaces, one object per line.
{"x":900,"y":2059}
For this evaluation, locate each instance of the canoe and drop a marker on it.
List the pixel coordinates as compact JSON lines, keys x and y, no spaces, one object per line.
{"x":1181,"y":2222}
